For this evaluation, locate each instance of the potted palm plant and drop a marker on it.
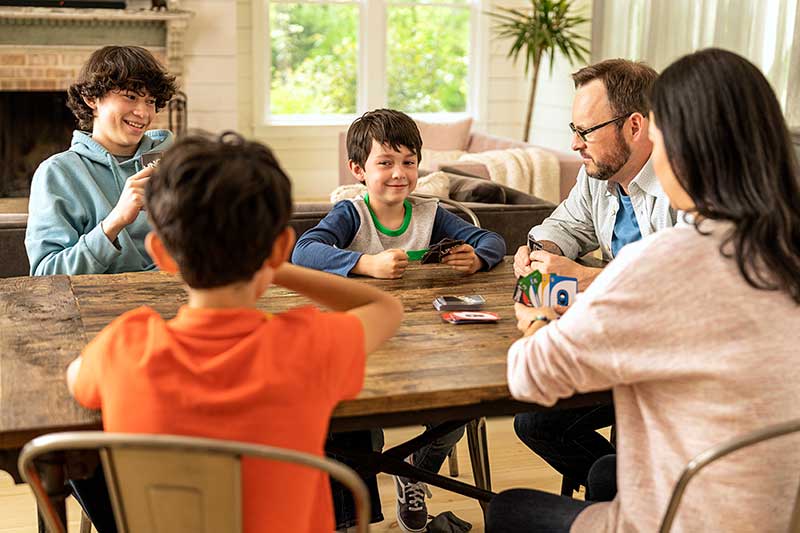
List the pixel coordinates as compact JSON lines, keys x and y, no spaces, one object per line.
{"x":543,"y":29}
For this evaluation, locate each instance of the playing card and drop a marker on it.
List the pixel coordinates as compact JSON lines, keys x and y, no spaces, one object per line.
{"x":533,"y":244}
{"x":548,"y":290}
{"x":459,"y":303}
{"x":470,"y":317}
{"x":439,"y":250}
{"x":151,"y":158}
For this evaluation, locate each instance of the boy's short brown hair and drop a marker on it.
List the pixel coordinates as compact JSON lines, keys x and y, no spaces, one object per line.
{"x":218,"y":205}
{"x":118,"y":68}
{"x":628,"y":84}
{"x":385,"y":126}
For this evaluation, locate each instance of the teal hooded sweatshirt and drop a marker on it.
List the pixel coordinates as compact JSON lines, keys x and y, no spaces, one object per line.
{"x":71,"y":193}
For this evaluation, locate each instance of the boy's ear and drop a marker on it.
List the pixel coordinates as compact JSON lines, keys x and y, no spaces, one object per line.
{"x":282,"y":248}
{"x":162,"y":258}
{"x":91,"y":101}
{"x":356,"y":170}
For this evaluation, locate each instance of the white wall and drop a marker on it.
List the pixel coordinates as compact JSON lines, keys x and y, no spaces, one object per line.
{"x":210,"y":71}
{"x":219,"y":86}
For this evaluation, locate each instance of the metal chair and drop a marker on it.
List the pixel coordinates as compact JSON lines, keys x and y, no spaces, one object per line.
{"x":174,"y":483}
{"x":712,"y":454}
{"x":457,"y":205}
{"x":476,"y":429}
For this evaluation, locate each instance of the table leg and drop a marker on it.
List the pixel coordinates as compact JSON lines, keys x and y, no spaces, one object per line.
{"x":479,"y":456}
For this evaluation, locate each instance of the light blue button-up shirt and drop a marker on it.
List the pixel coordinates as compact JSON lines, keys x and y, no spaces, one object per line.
{"x":584,"y":221}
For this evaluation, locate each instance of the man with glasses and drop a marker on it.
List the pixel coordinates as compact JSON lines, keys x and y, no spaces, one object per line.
{"x":617,"y":200}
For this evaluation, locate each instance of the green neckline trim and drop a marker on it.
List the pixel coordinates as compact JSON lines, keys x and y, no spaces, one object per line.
{"x":383,"y":229}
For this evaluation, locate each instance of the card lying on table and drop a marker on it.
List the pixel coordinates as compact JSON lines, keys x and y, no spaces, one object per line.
{"x":470,"y":317}
{"x":545,"y":290}
{"x":459,"y":303}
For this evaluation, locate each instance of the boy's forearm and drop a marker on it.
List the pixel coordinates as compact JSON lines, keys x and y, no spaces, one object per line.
{"x":334,"y":292}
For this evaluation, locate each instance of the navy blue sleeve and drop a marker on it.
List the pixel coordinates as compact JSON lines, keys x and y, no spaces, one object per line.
{"x":322,"y":247}
{"x":489,"y":246}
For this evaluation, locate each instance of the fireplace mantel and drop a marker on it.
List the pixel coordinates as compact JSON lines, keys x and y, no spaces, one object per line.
{"x":41,"y":48}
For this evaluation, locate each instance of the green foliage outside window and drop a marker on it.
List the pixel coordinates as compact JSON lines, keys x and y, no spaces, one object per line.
{"x":427,"y":63}
{"x":315,"y":58}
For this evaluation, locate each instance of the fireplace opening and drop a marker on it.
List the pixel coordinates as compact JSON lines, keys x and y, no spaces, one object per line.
{"x":33,"y":126}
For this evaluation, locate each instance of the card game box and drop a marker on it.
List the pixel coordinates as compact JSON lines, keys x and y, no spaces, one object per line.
{"x":472,"y":302}
{"x":545,"y":290}
{"x":470,"y":317}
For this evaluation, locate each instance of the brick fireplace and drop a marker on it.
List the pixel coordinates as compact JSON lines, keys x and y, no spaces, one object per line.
{"x":41,"y":52}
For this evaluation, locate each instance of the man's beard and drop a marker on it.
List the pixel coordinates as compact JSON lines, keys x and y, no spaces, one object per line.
{"x":615,"y":160}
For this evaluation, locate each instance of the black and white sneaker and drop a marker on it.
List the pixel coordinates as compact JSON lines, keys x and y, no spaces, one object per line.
{"x":412,"y":513}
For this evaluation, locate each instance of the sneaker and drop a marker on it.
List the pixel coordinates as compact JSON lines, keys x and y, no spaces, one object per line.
{"x":412,"y":513}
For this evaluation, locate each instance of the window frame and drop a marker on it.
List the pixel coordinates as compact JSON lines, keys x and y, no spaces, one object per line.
{"x":371,"y":91}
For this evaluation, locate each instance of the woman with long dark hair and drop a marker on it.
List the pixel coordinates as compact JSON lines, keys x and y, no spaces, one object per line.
{"x":695,"y":328}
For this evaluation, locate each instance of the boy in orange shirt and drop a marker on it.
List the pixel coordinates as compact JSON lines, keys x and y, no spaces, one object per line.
{"x":221,"y":368}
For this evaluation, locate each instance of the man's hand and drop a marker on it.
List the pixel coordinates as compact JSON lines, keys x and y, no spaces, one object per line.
{"x":463,"y":258}
{"x":522,"y":261}
{"x":389,"y":264}
{"x":130,"y":202}
{"x":526,"y":317}
{"x":548,"y":263}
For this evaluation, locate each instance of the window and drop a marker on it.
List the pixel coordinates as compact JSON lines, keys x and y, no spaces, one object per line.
{"x":329,"y":60}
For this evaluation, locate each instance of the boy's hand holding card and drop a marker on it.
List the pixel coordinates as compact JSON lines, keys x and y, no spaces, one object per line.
{"x":545,"y":290}
{"x":439,"y":250}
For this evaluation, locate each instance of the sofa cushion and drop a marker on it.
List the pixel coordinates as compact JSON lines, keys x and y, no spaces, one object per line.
{"x":434,"y":183}
{"x":435,"y":159}
{"x":465,"y":189}
{"x":445,"y":136}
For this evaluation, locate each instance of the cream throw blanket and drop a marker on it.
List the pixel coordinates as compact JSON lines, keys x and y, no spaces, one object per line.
{"x":531,"y":170}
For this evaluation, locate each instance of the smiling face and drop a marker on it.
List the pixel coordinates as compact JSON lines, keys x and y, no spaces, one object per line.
{"x":120,"y":119}
{"x":606,"y":150}
{"x":390,"y":175}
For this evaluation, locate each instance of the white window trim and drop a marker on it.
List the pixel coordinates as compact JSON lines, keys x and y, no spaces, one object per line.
{"x":371,"y":92}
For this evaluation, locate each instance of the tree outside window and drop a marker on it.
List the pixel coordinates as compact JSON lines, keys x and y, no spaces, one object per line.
{"x":315,"y":54}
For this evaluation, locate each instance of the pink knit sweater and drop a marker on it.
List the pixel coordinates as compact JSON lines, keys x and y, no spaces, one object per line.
{"x":695,"y":356}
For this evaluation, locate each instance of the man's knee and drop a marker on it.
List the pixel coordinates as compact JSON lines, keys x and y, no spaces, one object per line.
{"x":449,"y":440}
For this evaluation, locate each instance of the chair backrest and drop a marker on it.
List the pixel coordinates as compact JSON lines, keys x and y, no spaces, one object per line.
{"x":174,"y":483}
{"x":457,"y":205}
{"x":712,"y":454}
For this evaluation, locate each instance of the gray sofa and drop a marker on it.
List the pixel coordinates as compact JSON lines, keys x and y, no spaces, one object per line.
{"x":506,"y":211}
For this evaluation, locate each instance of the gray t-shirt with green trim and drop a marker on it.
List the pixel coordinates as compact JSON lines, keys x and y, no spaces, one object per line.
{"x":414,"y":234}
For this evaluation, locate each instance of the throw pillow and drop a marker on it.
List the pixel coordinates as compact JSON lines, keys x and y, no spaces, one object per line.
{"x":465,"y":189}
{"x":433,"y":159}
{"x":445,"y":136}
{"x":435,"y":184}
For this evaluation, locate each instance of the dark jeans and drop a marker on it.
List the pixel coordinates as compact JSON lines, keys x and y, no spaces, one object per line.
{"x":567,"y":439}
{"x":534,"y":511}
{"x":429,"y":457}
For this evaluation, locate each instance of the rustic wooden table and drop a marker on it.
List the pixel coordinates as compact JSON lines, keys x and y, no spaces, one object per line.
{"x":431,"y":371}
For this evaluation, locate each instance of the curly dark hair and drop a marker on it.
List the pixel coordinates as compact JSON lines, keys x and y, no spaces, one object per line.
{"x":113,"y":68}
{"x":729,"y":147}
{"x":218,"y":205}
{"x":385,"y":126}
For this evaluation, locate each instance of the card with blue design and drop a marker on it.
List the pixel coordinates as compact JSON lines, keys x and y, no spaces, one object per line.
{"x":545,"y":290}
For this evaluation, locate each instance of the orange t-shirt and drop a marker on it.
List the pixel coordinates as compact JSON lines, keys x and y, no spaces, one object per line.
{"x":234,"y":374}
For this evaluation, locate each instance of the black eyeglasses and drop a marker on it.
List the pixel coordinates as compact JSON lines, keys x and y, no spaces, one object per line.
{"x":583,"y":133}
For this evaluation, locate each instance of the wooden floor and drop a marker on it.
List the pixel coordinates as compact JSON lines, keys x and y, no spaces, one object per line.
{"x":513,"y":465}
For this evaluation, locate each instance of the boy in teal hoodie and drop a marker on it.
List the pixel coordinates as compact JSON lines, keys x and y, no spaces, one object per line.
{"x":85,"y":212}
